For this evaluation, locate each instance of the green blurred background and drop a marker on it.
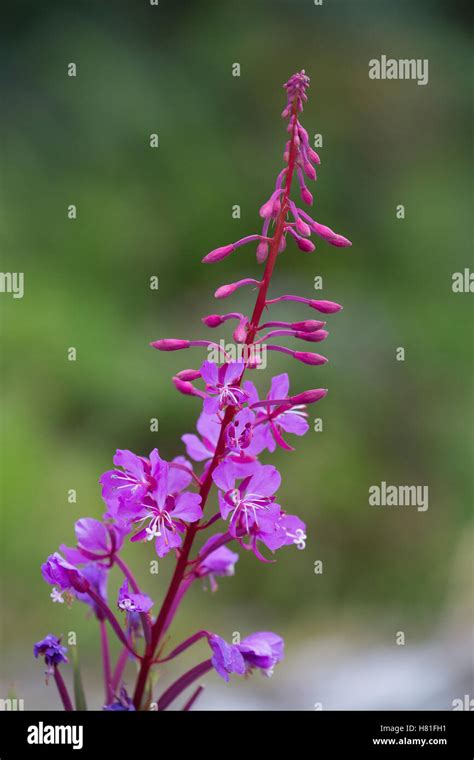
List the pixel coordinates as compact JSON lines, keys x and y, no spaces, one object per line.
{"x":146,"y":212}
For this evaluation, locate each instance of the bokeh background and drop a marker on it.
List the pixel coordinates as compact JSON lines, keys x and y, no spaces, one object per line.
{"x":145,"y":212}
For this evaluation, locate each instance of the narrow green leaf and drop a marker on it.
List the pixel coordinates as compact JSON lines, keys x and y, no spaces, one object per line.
{"x":79,"y":696}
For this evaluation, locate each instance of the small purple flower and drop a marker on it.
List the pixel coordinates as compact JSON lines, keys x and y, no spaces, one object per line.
{"x":222,"y":387}
{"x":166,"y":509}
{"x":58,"y":572}
{"x":133,"y":602}
{"x":227,"y":658}
{"x":219,"y":562}
{"x":95,"y":541}
{"x":242,"y":437}
{"x":51,"y":649}
{"x":122,"y":703}
{"x":272,"y":422}
{"x":128,"y":485}
{"x":251,"y":505}
{"x":262,"y":650}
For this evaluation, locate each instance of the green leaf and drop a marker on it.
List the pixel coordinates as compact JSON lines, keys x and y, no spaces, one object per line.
{"x":79,"y":696}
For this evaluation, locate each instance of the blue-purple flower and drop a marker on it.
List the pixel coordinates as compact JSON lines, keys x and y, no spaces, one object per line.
{"x":133,"y":602}
{"x":96,"y":541}
{"x":51,"y":649}
{"x":121,"y":703}
{"x":262,"y":651}
{"x":58,"y":572}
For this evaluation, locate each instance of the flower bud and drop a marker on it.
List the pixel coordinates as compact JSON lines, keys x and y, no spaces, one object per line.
{"x":308,"y":325}
{"x":213,"y":320}
{"x":313,"y":156}
{"x":312,"y":337}
{"x":309,"y":170}
{"x":306,"y":196}
{"x":309,"y":397}
{"x":217,"y":254}
{"x":186,"y":388}
{"x":262,"y":252}
{"x":190,"y":374}
{"x":325,"y":307}
{"x":308,"y":358}
{"x":240,"y":332}
{"x":170,"y":344}
{"x":302,"y":227}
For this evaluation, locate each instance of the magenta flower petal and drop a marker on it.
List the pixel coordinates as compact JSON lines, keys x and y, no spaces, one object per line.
{"x":187,"y":507}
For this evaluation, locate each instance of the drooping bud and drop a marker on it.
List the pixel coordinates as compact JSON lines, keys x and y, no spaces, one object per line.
{"x":313,"y":156}
{"x":306,"y":195}
{"x":240,"y":332}
{"x":302,"y":227}
{"x":262,"y":252}
{"x":187,"y":388}
{"x":303,"y":243}
{"x":309,"y":170}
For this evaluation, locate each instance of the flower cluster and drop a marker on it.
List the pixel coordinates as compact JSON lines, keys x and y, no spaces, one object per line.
{"x":150,"y":499}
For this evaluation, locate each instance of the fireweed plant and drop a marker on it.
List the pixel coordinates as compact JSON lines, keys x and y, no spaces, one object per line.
{"x":150,"y":499}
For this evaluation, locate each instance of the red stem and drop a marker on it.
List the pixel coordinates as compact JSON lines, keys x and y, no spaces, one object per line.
{"x":180,"y":569}
{"x":182,"y":683}
{"x":192,"y":699}
{"x":63,"y":692}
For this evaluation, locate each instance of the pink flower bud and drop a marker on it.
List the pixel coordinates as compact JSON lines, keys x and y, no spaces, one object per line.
{"x":325,"y":307}
{"x":331,"y":237}
{"x":306,"y":196}
{"x":218,"y":253}
{"x":302,"y":227}
{"x":308,"y":358}
{"x":308,"y":325}
{"x":313,"y":337}
{"x":186,"y":388}
{"x":309,"y":170}
{"x":309,"y":397}
{"x":240,"y":332}
{"x":262,"y":252}
{"x":267,"y":208}
{"x":313,"y":156}
{"x":189,"y":374}
{"x":170,"y":344}
{"x":303,"y":243}
{"x":213,"y":320}
{"x":226,"y":290}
